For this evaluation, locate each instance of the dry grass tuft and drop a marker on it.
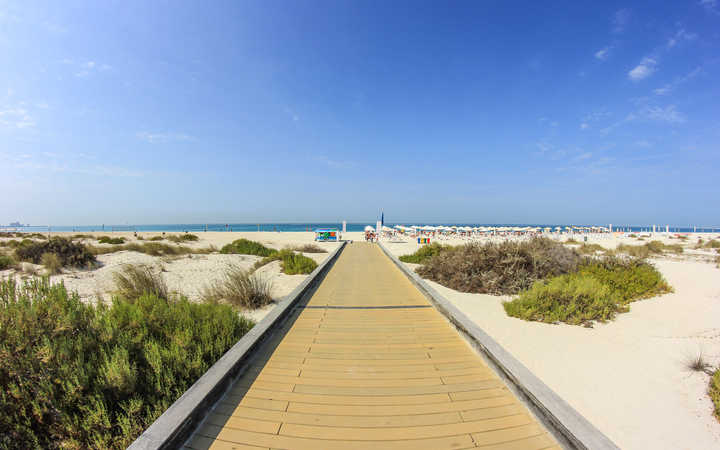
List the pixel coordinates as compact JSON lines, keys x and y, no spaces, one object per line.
{"x":134,"y":281}
{"x":240,"y":288}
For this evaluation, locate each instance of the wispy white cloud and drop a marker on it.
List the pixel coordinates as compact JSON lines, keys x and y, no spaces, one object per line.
{"x":669,"y":87}
{"x":667,"y":114}
{"x":584,"y":126}
{"x":87,"y":68}
{"x":681,"y":36}
{"x":620,"y":20}
{"x":160,"y":138}
{"x":336,"y":163}
{"x":53,"y":162}
{"x":710,"y":6}
{"x":643,"y":70}
{"x":16,"y":117}
{"x":290,"y":112}
{"x":602,"y":54}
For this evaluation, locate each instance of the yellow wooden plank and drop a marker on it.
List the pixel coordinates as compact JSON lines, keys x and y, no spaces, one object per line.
{"x":397,"y":433}
{"x":296,"y":443}
{"x":375,"y":421}
{"x":502,"y":399}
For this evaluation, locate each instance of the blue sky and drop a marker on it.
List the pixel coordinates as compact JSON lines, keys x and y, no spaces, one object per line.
{"x":488,"y":112}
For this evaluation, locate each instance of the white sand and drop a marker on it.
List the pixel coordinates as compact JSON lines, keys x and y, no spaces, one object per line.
{"x":188,"y":274}
{"x":628,"y":377}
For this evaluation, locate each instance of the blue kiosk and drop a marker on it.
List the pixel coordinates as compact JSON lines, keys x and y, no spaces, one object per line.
{"x":327,"y":234}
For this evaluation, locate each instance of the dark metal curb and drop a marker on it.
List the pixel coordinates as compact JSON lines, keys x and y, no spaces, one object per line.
{"x":577,"y":431}
{"x":174,"y":426}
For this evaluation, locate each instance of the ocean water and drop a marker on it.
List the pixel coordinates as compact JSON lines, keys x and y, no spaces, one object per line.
{"x":311,"y":226}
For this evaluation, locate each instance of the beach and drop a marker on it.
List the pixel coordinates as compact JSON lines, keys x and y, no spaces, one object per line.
{"x":628,"y":376}
{"x":188,"y":274}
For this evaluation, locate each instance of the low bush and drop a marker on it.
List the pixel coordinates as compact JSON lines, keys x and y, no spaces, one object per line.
{"x":152,"y":249}
{"x":247,"y":247}
{"x":296,"y":263}
{"x":648,"y":249}
{"x":424,"y":253}
{"x":241,"y":288}
{"x":111,"y":240}
{"x":51,"y":262}
{"x":178,"y":238}
{"x":290,"y":263}
{"x":76,"y":376}
{"x":134,"y":281}
{"x":709,"y":244}
{"x":590,"y":249}
{"x":499,"y":268}
{"x":6,"y":262}
{"x":632,"y":235}
{"x":307,"y":248}
{"x":598,"y":290}
{"x":70,"y":253}
{"x":714,"y":392}
{"x":156,"y":238}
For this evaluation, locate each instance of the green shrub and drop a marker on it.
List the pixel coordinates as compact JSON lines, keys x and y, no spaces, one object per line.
{"x":296,"y":263}
{"x":156,"y":238}
{"x":247,"y":247}
{"x":590,"y":249}
{"x":6,"y":262}
{"x":182,"y":238}
{"x":499,"y":268}
{"x":109,"y":240}
{"x":152,"y":249}
{"x":714,"y":392}
{"x":76,"y":376}
{"x":51,"y":262}
{"x":241,"y":288}
{"x":132,"y":282}
{"x":290,"y":263}
{"x":598,"y":290}
{"x":648,"y":249}
{"x":70,"y":253}
{"x":307,"y":248}
{"x":81,"y":236}
{"x":424,"y":253}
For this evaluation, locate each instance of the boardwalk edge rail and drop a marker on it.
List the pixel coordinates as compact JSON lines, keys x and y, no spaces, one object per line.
{"x":173,"y":427}
{"x":555,"y":411}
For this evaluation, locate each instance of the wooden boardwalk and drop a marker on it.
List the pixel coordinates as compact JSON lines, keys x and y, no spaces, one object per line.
{"x":367,"y":362}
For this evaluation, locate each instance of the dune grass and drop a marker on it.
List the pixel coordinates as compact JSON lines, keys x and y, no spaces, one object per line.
{"x":6,"y":262}
{"x":714,"y":392}
{"x":110,"y":240}
{"x":649,"y":249}
{"x":499,"y":268}
{"x":247,"y":247}
{"x":152,"y":249}
{"x":597,"y":291}
{"x":134,"y":281}
{"x":180,"y":238}
{"x":75,"y":376}
{"x":424,"y":253}
{"x":307,"y":248}
{"x":52,"y":263}
{"x":240,"y":288}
